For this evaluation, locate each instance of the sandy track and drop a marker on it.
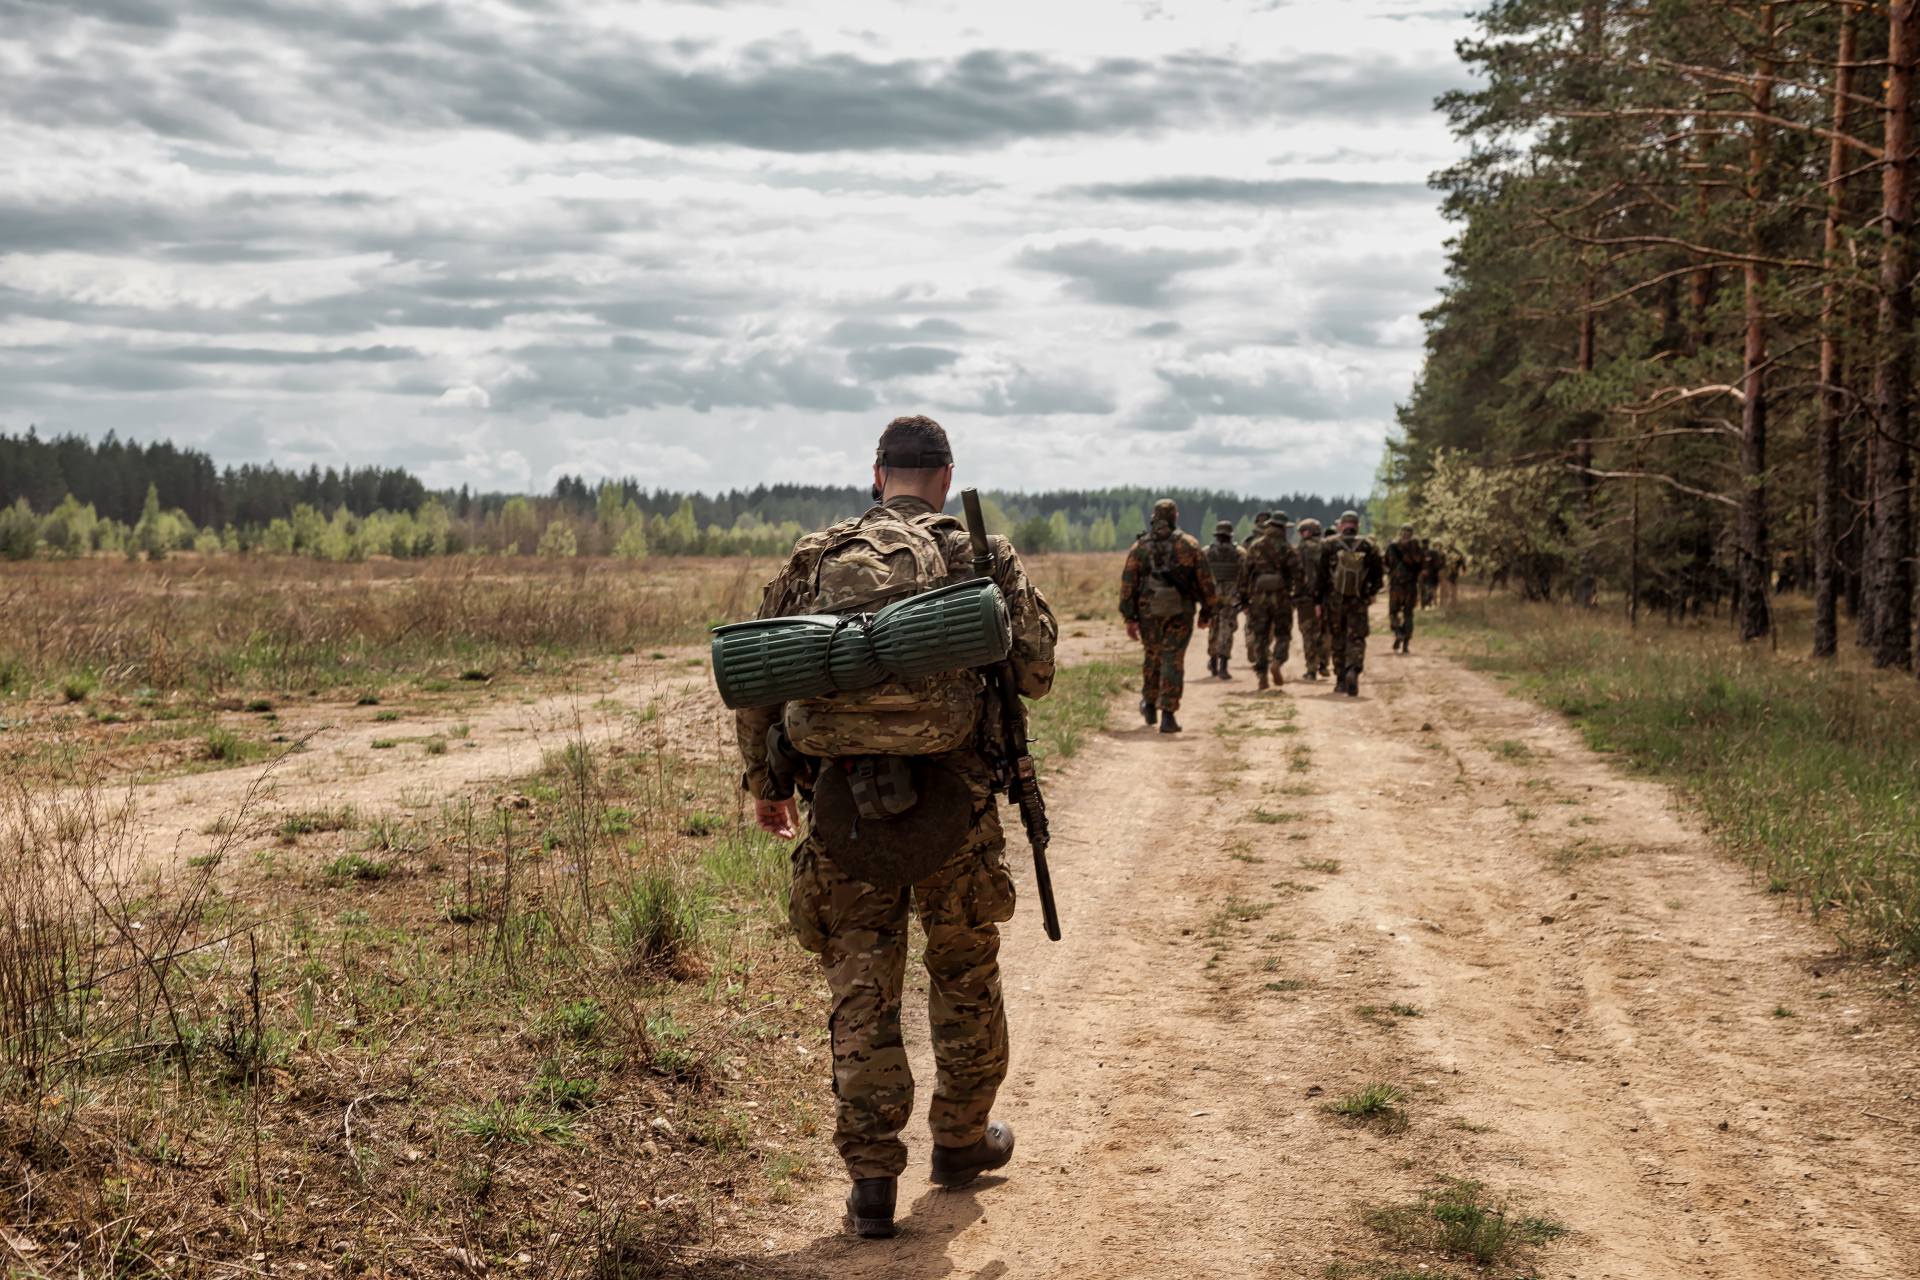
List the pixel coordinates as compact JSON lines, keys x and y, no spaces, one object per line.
{"x":1596,"y":1036}
{"x":652,"y":702}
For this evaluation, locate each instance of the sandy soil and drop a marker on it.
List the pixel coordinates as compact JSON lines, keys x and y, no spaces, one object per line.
{"x":1596,"y":1035}
{"x":652,"y":702}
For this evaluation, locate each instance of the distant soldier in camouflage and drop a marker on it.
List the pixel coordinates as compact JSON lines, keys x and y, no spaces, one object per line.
{"x":1165,"y":580}
{"x":1306,"y":603}
{"x":859,"y":930}
{"x":1406,"y":561}
{"x":1260,"y":521}
{"x":1223,"y":561}
{"x":1266,"y":585}
{"x":1434,"y":559}
{"x":1351,"y":569}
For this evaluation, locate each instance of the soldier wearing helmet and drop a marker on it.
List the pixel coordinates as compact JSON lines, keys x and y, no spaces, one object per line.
{"x":1164,"y":583}
{"x":1313,"y":631}
{"x":1351,"y":571}
{"x":1406,"y":560}
{"x":1223,"y":561}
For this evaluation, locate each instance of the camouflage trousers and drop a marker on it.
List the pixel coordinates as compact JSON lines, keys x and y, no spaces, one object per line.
{"x":860,"y":935}
{"x":1347,"y":628}
{"x":1163,"y":673}
{"x":1313,"y":637}
{"x":1429,"y":588}
{"x":1225,"y":622}
{"x":1401,"y":597}
{"x":1269,"y":631}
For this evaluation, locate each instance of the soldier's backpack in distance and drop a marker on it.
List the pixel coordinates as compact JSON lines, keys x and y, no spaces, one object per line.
{"x":1349,"y":570}
{"x":862,"y":568}
{"x":1164,"y":597}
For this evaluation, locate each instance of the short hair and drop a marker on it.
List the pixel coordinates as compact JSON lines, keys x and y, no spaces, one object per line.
{"x":914,"y":443}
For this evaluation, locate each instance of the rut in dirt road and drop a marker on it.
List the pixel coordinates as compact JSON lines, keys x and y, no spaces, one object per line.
{"x":1438,"y":887}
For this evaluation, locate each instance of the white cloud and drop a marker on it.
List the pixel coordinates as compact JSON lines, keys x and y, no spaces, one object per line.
{"x":1101,"y":241}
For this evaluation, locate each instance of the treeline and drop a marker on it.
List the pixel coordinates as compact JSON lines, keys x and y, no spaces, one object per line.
{"x":68,"y":497}
{"x":1674,"y":358}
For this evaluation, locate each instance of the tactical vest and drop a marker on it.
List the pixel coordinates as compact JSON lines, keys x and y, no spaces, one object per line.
{"x":1223,"y":561}
{"x":866,"y":564}
{"x":1268,"y":580}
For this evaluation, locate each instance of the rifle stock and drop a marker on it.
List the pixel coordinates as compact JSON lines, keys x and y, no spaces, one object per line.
{"x":1015,"y":773}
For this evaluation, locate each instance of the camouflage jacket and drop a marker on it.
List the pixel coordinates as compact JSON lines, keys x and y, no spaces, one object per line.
{"x":1034,"y":629}
{"x":1405,"y":560}
{"x":1306,"y":558}
{"x":1225,"y":559}
{"x":1270,"y":556}
{"x":1187,"y":570}
{"x":1376,"y":567}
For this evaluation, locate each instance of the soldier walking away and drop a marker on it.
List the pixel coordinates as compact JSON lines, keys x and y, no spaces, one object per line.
{"x":1223,"y":561}
{"x":1406,"y":563}
{"x":1260,"y":521}
{"x":856,"y":754}
{"x":1432,"y":560}
{"x":1165,"y":580}
{"x":1456,"y":565}
{"x":1306,"y":604}
{"x":1266,"y":585}
{"x":1351,"y":569}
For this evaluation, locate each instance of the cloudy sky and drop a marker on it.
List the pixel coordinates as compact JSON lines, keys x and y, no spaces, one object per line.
{"x":721,"y":242}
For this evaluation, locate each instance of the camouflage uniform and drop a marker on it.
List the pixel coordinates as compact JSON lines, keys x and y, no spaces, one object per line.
{"x":1224,"y":560}
{"x":1346,"y":616}
{"x":860,"y":933}
{"x":1313,"y":629}
{"x":1405,"y":565}
{"x":1433,"y":559}
{"x":1266,"y":584}
{"x":1163,"y":673}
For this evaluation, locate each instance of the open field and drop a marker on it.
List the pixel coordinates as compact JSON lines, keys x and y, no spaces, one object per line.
{"x":487,"y":976}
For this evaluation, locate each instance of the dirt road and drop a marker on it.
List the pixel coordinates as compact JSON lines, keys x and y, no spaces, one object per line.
{"x":1592,"y":1011}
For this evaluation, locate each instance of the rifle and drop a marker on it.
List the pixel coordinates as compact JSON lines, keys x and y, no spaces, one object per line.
{"x":1014,"y":774}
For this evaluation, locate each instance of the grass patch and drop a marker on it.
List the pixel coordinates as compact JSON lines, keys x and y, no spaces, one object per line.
{"x":511,"y":1122}
{"x":306,"y":822}
{"x":1379,"y":1104}
{"x":1805,"y":769}
{"x":357,"y":866}
{"x":1462,"y":1219}
{"x":79,"y":686}
{"x":1271,"y":818}
{"x":1325,"y":866}
{"x":1082,"y":696}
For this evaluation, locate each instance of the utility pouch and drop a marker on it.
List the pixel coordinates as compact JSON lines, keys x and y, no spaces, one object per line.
{"x":890,"y":821}
{"x":1268,"y":584}
{"x":1164,"y":599}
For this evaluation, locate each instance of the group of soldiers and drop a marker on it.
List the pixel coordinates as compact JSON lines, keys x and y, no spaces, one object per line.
{"x":1325,"y":582}
{"x":855,"y":919}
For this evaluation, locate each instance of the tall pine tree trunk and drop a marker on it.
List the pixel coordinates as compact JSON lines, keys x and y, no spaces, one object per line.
{"x":1826,"y":517}
{"x":1890,"y":571}
{"x":1755,"y":556}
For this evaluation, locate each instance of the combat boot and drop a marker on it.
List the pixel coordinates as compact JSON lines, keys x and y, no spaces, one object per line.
{"x":870,"y":1206}
{"x":1278,"y":679}
{"x":1168,"y":724}
{"x":1149,"y":712}
{"x":1224,"y":673}
{"x":1340,"y":681}
{"x":1353,"y":682}
{"x":957,"y":1166}
{"x":1261,"y":674}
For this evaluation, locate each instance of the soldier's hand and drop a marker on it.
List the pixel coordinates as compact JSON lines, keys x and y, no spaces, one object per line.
{"x":779,"y":818}
{"x":1133,"y":631}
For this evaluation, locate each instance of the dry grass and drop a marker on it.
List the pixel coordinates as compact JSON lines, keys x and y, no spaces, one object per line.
{"x":538,"y":1028}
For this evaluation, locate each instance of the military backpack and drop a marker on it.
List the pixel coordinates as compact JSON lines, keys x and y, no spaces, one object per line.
{"x":1349,"y":570}
{"x":1164,"y":597}
{"x":1311,"y":549}
{"x":862,"y":566}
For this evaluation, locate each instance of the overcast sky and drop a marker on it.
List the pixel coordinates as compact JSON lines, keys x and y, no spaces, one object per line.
{"x":719,"y":243}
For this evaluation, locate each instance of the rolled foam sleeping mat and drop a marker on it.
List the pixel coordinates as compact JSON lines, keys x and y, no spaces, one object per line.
{"x":948,"y":629}
{"x":769,"y":660}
